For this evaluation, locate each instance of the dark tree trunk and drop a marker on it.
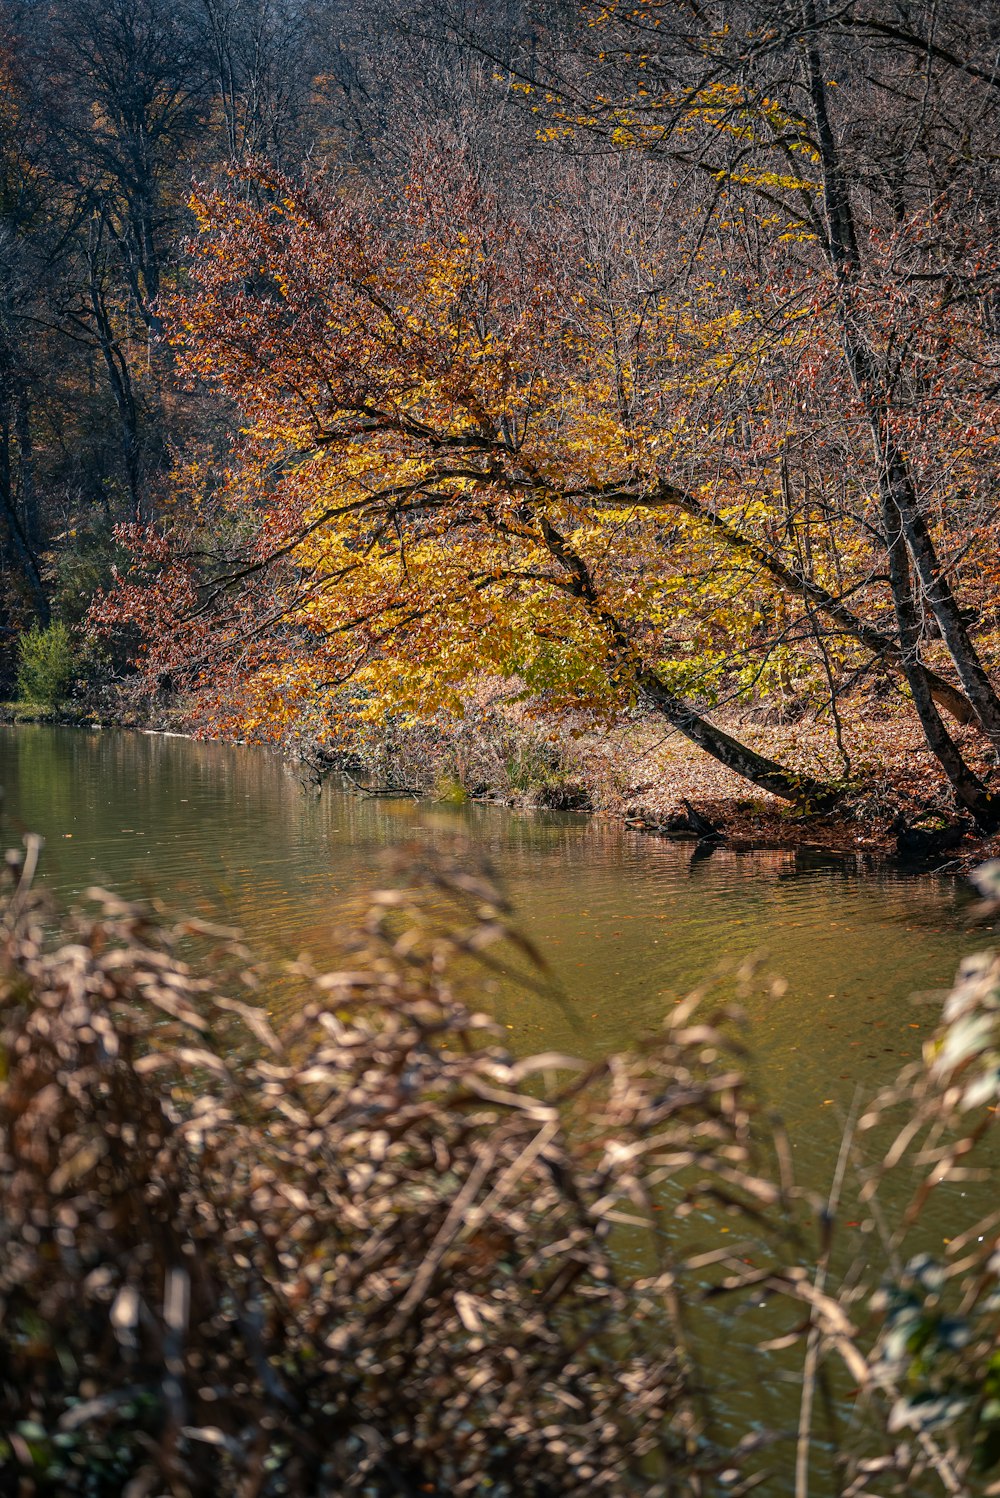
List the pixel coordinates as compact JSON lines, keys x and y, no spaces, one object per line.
{"x":18,"y":547}
{"x":27,"y":493}
{"x":120,"y":380}
{"x":938,"y":593}
{"x":901,"y":513}
{"x":968,"y":788}
{"x":884,"y":647}
{"x":744,"y":761}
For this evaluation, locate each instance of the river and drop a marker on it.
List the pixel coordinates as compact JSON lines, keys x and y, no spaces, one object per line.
{"x":628,"y":922}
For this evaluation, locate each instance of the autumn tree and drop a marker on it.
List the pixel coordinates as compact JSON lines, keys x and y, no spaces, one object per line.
{"x":855,"y":142}
{"x":436,"y":458}
{"x":750,"y":396}
{"x":108,"y":111}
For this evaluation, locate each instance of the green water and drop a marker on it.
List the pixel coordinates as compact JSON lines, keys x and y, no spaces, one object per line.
{"x":627,"y":921}
{"x":629,"y":924}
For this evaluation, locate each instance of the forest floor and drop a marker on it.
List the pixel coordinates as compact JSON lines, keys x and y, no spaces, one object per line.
{"x":640,"y":769}
{"x":887,"y":768}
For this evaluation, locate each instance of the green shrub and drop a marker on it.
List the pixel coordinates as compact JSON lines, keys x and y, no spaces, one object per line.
{"x":46,"y":664}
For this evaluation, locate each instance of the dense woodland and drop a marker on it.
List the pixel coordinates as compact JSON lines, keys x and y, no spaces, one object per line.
{"x":641,"y":355}
{"x":643,"y":359}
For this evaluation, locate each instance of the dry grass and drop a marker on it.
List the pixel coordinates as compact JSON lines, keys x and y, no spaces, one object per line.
{"x":368,"y":1254}
{"x":370,"y":1251}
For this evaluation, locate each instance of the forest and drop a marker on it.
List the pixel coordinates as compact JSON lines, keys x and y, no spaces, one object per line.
{"x":576,"y":404}
{"x":605,"y":361}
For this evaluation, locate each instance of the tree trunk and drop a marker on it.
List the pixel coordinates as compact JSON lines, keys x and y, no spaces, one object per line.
{"x":27,"y":493}
{"x":20,"y":550}
{"x":968,"y":788}
{"x":937,"y":590}
{"x":19,"y":545}
{"x":120,"y":379}
{"x":900,"y":504}
{"x":884,"y":647}
{"x":746,"y":762}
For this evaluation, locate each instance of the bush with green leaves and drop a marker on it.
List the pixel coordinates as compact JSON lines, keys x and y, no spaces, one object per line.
{"x":46,"y":664}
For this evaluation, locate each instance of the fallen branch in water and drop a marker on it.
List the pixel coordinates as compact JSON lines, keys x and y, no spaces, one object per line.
{"x":413,"y":792}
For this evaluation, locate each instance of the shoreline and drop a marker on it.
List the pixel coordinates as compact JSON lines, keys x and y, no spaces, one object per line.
{"x":683,"y":797}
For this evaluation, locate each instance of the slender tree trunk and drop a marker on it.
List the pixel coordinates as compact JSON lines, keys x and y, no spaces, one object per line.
{"x":19,"y":544}
{"x":20,"y":550}
{"x":120,"y":380}
{"x":968,"y":788}
{"x":895,"y":479}
{"x":26,"y":467}
{"x":901,"y":510}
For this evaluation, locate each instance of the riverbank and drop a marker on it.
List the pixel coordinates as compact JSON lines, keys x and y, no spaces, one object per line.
{"x":895,"y":803}
{"x":507,"y":752}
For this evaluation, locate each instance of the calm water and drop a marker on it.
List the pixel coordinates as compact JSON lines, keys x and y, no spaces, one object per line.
{"x":629,"y":923}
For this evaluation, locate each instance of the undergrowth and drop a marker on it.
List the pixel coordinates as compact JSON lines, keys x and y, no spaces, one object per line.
{"x":367,"y":1250}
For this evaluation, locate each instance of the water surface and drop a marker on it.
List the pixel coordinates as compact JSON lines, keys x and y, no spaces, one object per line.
{"x":628,"y":922}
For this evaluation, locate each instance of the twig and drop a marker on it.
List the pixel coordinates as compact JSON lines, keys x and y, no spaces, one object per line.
{"x":811,"y":1365}
{"x":382,"y":790}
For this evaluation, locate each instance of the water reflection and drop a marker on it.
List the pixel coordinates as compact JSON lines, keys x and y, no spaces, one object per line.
{"x":629,"y":923}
